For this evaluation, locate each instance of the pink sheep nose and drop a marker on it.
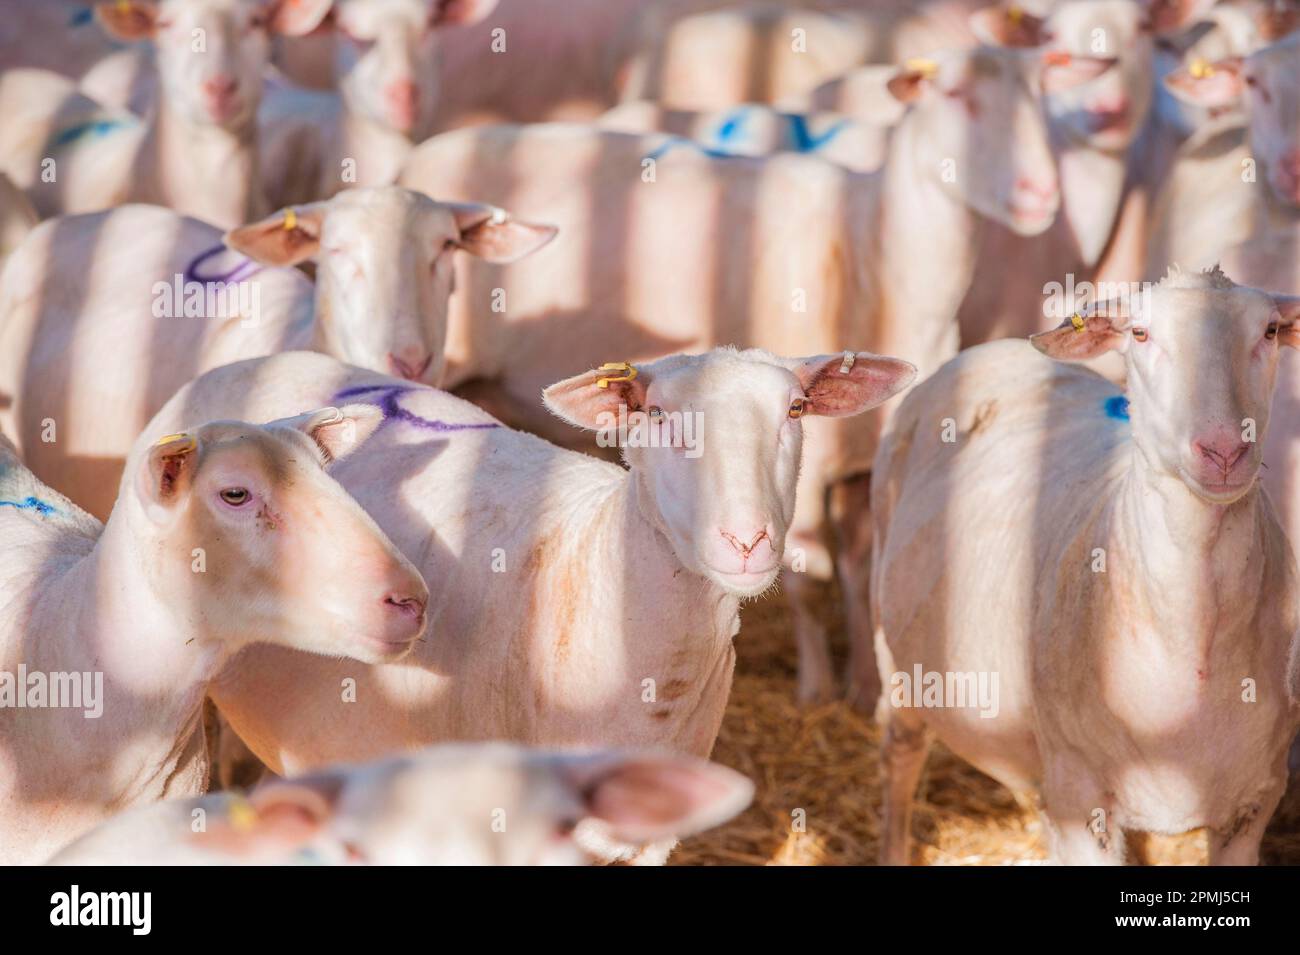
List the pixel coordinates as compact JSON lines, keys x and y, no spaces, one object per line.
{"x":1108,"y":103}
{"x":1222,"y":453}
{"x":220,"y":88}
{"x":405,"y":618}
{"x":1033,"y":198}
{"x":1038,"y":189}
{"x":222,"y":95}
{"x":745,"y":545}
{"x":412,"y":607}
{"x":745,"y":553}
{"x":410,"y":365}
{"x":403,"y":99}
{"x":1109,"y":112}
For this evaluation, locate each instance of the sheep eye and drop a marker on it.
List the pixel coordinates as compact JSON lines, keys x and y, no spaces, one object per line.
{"x":1271,"y":332}
{"x":654,"y":411}
{"x":235,"y":496}
{"x":797,"y":407}
{"x":1139,"y":333}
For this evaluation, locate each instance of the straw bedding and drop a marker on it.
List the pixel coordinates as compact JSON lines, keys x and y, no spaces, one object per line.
{"x":823,"y":760}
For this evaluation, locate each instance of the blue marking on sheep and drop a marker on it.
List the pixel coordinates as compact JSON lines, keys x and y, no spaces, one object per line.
{"x":732,"y":126}
{"x":32,"y":504}
{"x":802,"y":138}
{"x":681,"y":141}
{"x":94,"y":129}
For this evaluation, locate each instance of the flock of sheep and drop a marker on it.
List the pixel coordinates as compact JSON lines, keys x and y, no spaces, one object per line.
{"x":406,"y":396}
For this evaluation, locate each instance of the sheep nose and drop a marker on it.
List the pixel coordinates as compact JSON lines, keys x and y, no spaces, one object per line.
{"x":1038,"y":189}
{"x":1112,"y":103}
{"x":409,"y":605}
{"x":1223,"y":454}
{"x":221,"y":87}
{"x":738,"y":543}
{"x":410,"y":367}
{"x":402,"y":94}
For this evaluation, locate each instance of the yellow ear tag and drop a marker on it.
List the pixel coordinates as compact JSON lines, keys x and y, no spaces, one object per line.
{"x":186,"y":441}
{"x":242,"y":815}
{"x":927,"y":68}
{"x":123,"y":6}
{"x":1077,"y":321}
{"x":290,"y":220}
{"x":616,"y":366}
{"x":1201,"y":70}
{"x":1015,"y":14}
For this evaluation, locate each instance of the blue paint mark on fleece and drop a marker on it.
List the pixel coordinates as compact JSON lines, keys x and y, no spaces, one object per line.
{"x":32,"y":504}
{"x":385,"y":398}
{"x":681,"y":141}
{"x":94,"y":129}
{"x":82,"y":17}
{"x":801,"y":137}
{"x":731,"y":126}
{"x":1116,"y":407}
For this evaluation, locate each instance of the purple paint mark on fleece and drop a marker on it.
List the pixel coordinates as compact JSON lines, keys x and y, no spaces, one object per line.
{"x":385,"y":398}
{"x":246,"y":269}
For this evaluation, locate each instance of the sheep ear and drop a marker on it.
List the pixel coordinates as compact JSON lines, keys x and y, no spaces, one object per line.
{"x":1167,"y":17}
{"x":1275,"y":22}
{"x":592,"y":400}
{"x":1210,"y":85}
{"x":1007,"y":26}
{"x":128,"y":20}
{"x":288,"y":237}
{"x":911,"y":80}
{"x":168,"y":470}
{"x":1081,"y":337}
{"x":494,"y":235}
{"x":299,"y":17}
{"x":645,"y":797}
{"x":837,"y":386}
{"x":452,"y":13}
{"x":298,"y":805}
{"x":337,"y":431}
{"x":280,"y":816}
{"x":1063,"y":71}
